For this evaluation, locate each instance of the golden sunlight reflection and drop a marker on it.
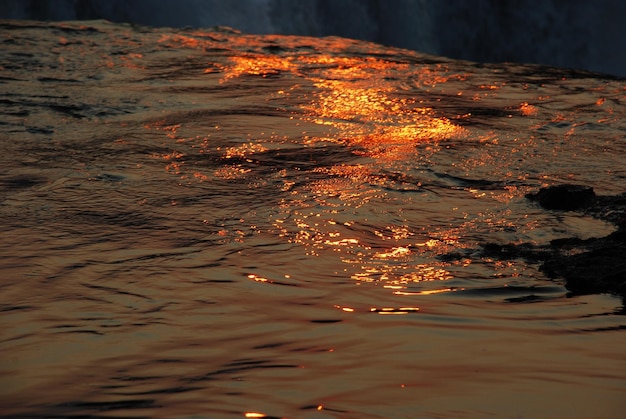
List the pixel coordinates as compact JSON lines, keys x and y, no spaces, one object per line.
{"x":393,"y":253}
{"x":368,"y":116}
{"x":428,"y":292}
{"x":380,"y":310}
{"x":231,"y":226}
{"x":258,"y":278}
{"x":244,"y":150}
{"x":392,"y":310}
{"x":369,"y":104}
{"x":395,"y":275}
{"x":359,"y":98}
{"x":258,"y":65}
{"x":528,"y":110}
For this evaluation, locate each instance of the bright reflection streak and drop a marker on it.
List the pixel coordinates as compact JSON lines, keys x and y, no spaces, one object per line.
{"x":244,"y":150}
{"x":369,"y":104}
{"x":396,"y":252}
{"x":258,"y":66}
{"x":427,"y":292}
{"x":383,"y":310}
{"x":231,"y":172}
{"x":368,"y":118}
{"x":395,"y":279}
{"x":528,"y":110}
{"x":356,"y":99}
{"x":258,"y":278}
{"x":395,"y":311}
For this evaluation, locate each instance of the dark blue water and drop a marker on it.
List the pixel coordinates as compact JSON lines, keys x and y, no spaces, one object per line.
{"x":209,"y":224}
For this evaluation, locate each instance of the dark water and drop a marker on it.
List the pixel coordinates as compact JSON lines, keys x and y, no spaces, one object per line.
{"x":208,"y":224}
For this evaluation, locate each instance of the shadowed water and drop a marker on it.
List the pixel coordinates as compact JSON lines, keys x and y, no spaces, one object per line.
{"x":209,"y":224}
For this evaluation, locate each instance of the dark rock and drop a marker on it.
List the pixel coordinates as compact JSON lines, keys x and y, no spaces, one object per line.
{"x":600,"y":270}
{"x":619,"y":236}
{"x":595,"y":265}
{"x":511,"y":251}
{"x":611,"y":209}
{"x":532,"y":298}
{"x":567,"y":242}
{"x":564,"y":197}
{"x":452,"y":256}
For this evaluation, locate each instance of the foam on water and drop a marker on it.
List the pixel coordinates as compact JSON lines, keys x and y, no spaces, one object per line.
{"x":206,"y":223}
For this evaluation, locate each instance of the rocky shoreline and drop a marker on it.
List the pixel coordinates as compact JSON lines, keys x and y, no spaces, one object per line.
{"x":591,"y":266}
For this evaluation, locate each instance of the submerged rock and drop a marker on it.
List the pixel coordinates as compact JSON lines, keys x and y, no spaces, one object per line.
{"x":564,"y":197}
{"x":601,"y":269}
{"x":596,"y":265}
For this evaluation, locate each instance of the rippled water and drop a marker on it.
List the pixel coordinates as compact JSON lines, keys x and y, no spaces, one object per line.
{"x":209,"y":224}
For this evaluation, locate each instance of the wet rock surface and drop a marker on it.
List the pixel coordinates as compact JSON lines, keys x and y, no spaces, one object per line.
{"x":596,"y":265}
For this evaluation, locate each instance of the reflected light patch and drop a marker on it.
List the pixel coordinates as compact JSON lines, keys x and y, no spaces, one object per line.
{"x":426,"y":273}
{"x":342,"y":242}
{"x":369,"y":117}
{"x":430,"y":243}
{"x":394,"y":310}
{"x":394,"y":276}
{"x":258,"y":65}
{"x":180,"y":40}
{"x":528,"y":110}
{"x":356,"y":98}
{"x":259,"y":278}
{"x":395,"y":252}
{"x":244,"y":150}
{"x":428,"y":292}
{"x":367,"y":105}
{"x":231,"y":172}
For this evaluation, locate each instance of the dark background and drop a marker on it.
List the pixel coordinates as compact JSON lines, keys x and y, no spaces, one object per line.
{"x":582,"y":34}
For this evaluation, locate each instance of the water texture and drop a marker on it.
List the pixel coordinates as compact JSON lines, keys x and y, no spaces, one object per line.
{"x":209,"y":224}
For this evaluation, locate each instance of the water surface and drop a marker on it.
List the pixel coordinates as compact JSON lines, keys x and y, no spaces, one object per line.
{"x":211,"y":224}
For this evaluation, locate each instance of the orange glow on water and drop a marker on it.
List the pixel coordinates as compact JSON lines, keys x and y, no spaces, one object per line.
{"x":232,"y":172}
{"x":183,"y":40}
{"x":258,"y":65}
{"x":356,"y":100}
{"x":213,"y":224}
{"x":360,"y":105}
{"x":426,"y":292}
{"x":366,"y":103}
{"x":528,"y":110}
{"x":395,"y":252}
{"x":394,"y":311}
{"x":258,"y":278}
{"x":244,"y":150}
